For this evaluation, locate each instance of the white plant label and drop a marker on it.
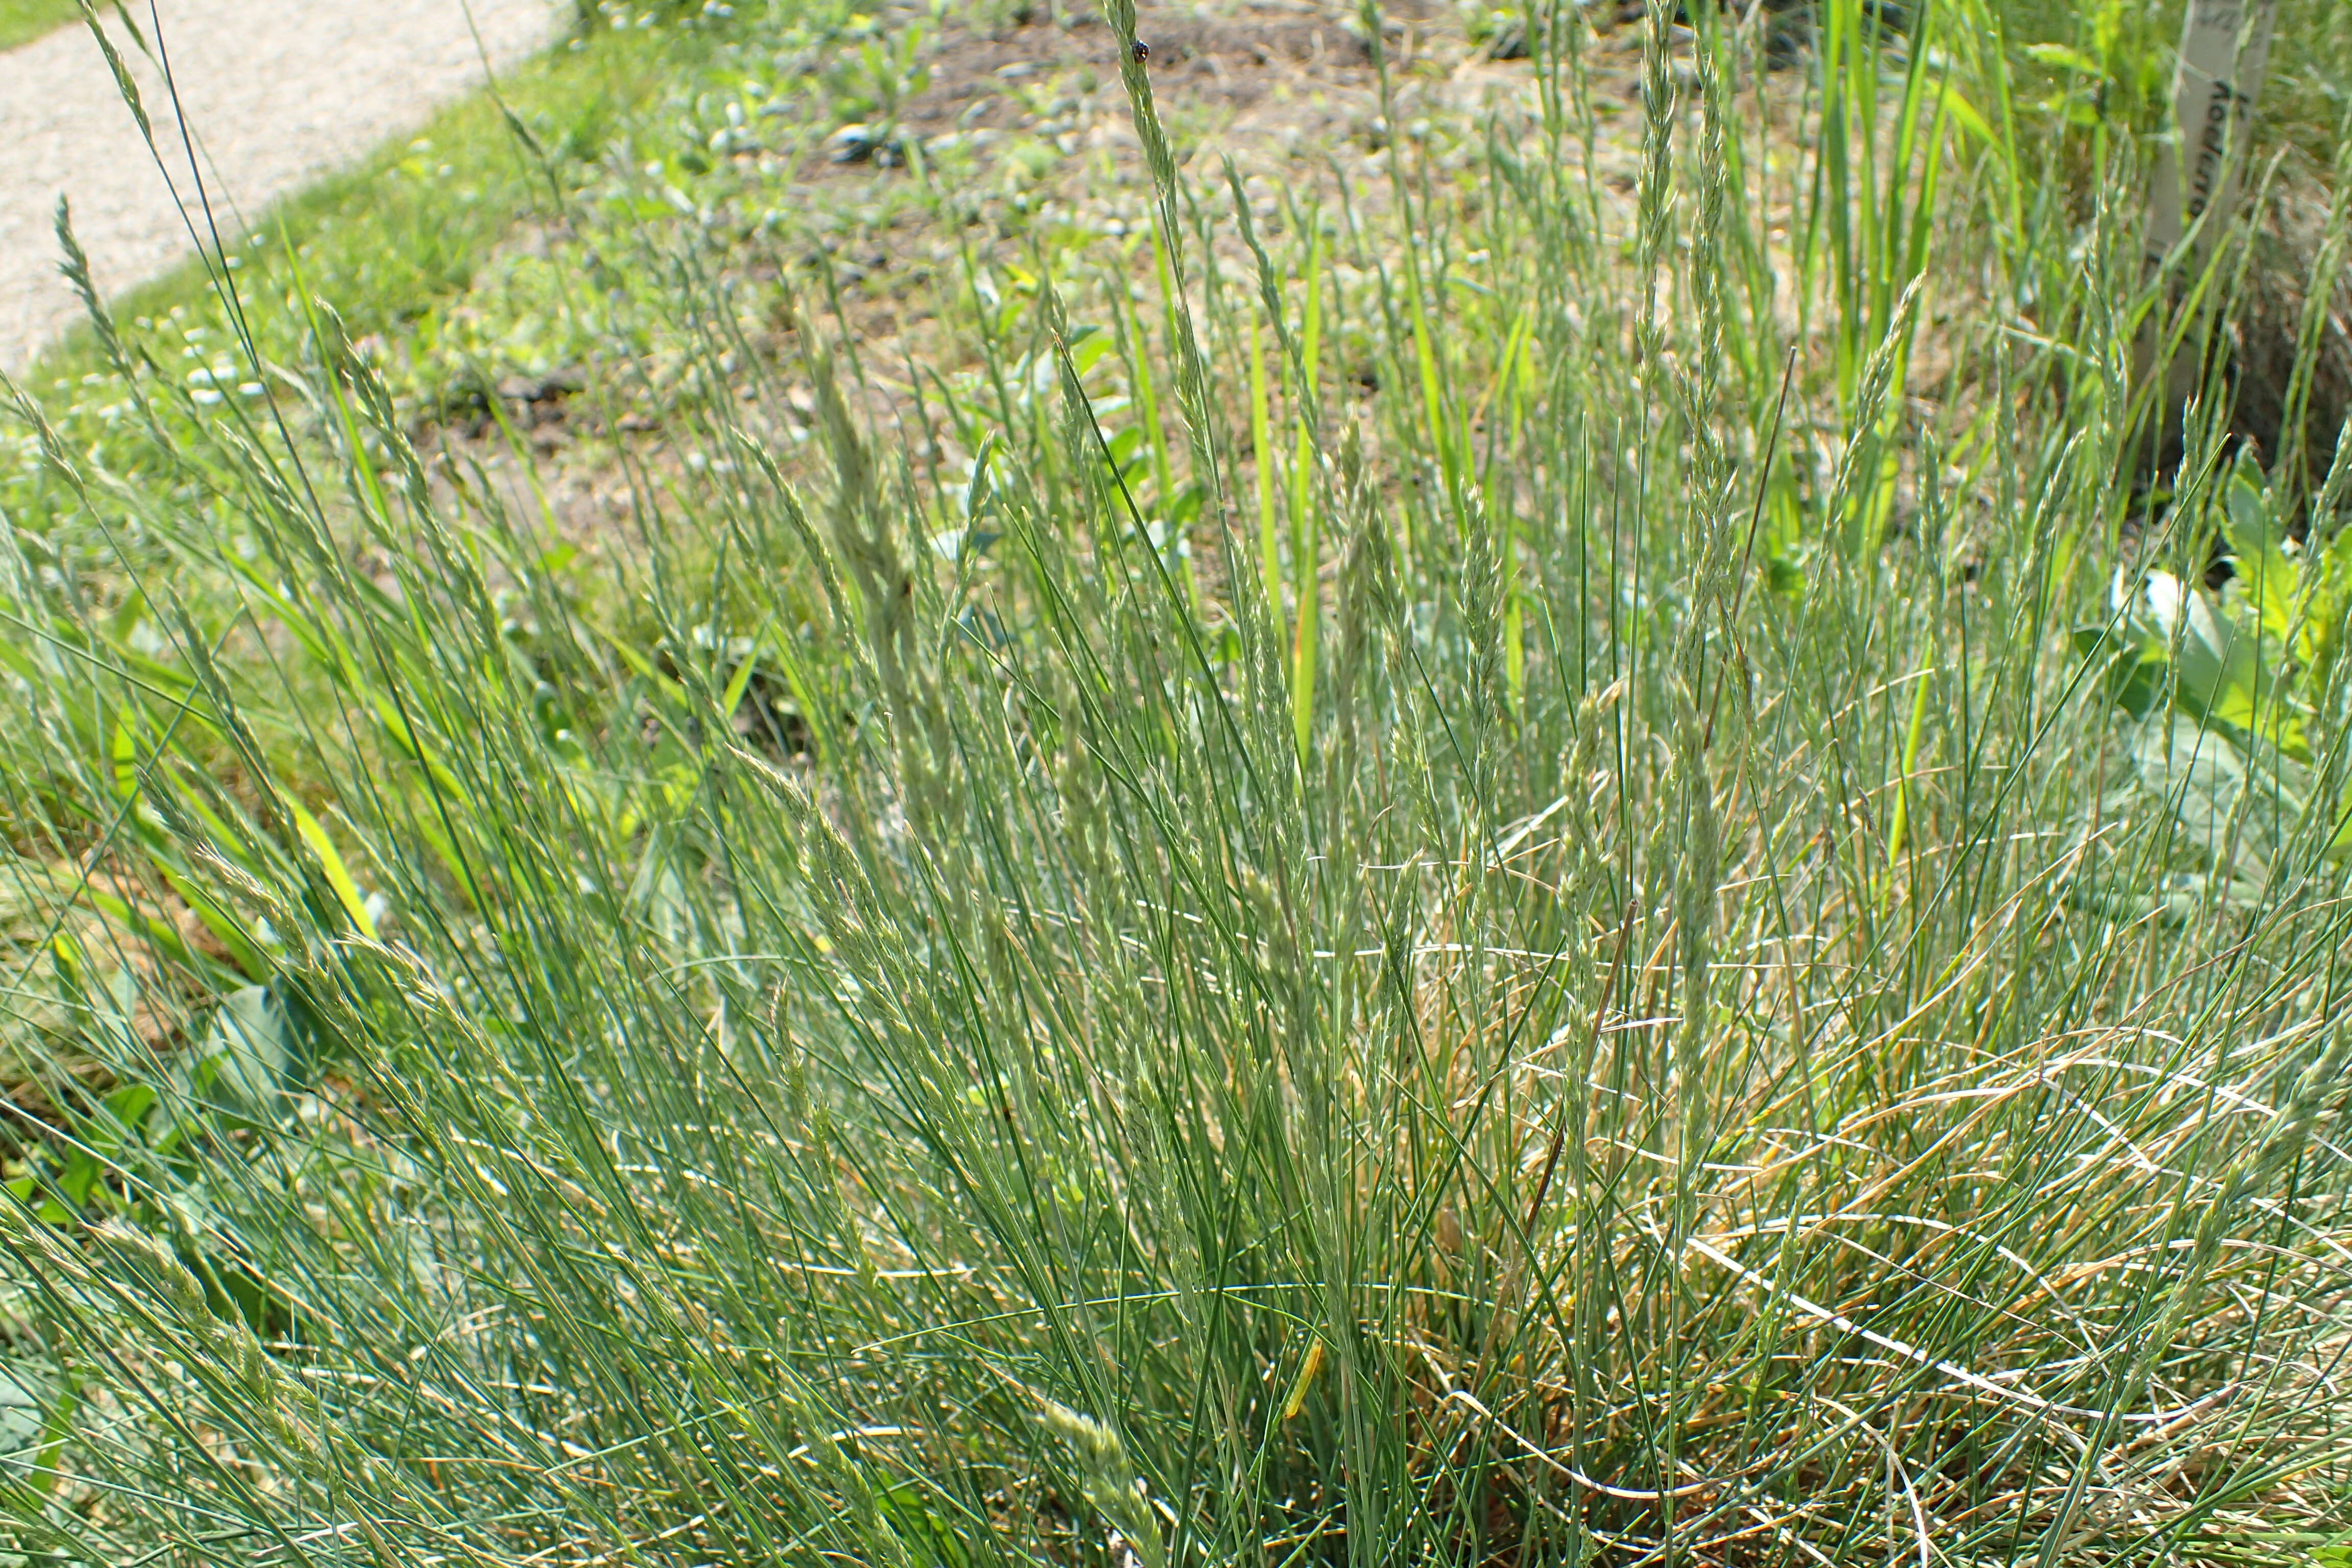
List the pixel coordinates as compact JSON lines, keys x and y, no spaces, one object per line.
{"x":2225,"y":46}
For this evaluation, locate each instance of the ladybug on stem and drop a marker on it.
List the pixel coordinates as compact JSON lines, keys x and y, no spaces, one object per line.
{"x":1141,"y":50}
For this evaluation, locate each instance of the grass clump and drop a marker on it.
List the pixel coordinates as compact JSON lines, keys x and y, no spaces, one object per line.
{"x":1474,"y":880}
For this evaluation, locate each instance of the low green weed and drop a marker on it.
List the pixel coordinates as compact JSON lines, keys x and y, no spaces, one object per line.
{"x":23,"y":21}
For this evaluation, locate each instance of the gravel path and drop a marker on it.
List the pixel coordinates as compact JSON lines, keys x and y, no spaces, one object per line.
{"x":276,"y":94}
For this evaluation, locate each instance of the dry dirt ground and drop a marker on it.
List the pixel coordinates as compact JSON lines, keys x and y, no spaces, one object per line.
{"x":1028,"y":131}
{"x":272,"y":96}
{"x":1027,"y":128}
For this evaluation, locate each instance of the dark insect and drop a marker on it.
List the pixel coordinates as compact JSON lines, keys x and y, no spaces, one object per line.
{"x":1142,"y":52}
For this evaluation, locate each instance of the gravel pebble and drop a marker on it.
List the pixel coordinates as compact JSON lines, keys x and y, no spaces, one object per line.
{"x":274,"y":96}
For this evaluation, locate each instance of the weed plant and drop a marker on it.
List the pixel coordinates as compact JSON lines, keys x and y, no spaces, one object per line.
{"x":1473,"y":881}
{"x":23,"y":21}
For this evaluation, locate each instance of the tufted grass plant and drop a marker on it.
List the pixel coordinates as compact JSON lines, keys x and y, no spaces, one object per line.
{"x":1551,"y":953}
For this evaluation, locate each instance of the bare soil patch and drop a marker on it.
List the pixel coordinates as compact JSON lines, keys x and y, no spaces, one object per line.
{"x":1028,"y":142}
